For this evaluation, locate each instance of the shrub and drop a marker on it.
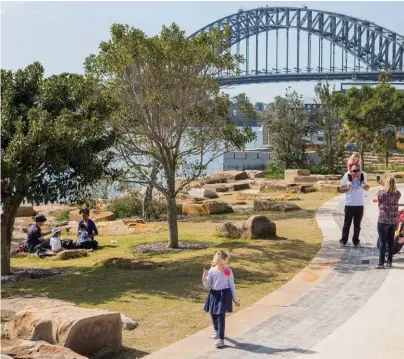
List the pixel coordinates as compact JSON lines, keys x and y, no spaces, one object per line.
{"x":62,"y":215}
{"x":128,"y":205}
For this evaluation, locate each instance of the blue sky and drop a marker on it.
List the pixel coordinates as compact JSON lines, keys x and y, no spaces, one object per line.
{"x":61,"y":34}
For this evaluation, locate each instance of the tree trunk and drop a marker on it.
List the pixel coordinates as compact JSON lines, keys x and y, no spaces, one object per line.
{"x":172,"y":223}
{"x":148,"y":197}
{"x":10,"y":208}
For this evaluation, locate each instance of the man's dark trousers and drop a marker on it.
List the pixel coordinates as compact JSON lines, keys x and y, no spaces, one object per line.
{"x":354,"y":213}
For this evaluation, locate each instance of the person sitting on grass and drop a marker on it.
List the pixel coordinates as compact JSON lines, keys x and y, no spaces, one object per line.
{"x":91,"y":229}
{"x":55,"y":241}
{"x":35,"y":241}
{"x":83,"y":234}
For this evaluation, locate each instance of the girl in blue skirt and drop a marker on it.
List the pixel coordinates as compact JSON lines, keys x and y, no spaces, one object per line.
{"x":219,"y":279}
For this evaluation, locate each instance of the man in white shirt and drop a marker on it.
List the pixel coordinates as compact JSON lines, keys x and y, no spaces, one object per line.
{"x":354,"y":184}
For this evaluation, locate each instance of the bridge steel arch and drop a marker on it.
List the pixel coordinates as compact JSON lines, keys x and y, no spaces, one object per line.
{"x":372,"y":46}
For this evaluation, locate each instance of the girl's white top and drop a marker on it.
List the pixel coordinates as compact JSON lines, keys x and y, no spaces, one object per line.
{"x":218,"y":280}
{"x":56,"y":244}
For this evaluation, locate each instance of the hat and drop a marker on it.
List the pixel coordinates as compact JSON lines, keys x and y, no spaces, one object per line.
{"x":56,"y":230}
{"x":40,"y":218}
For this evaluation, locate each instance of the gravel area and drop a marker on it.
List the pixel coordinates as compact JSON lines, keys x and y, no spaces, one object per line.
{"x":161,"y":247}
{"x":20,"y":274}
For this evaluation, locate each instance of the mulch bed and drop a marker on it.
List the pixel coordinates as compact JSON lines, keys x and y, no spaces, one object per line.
{"x":161,"y":247}
{"x":20,"y":274}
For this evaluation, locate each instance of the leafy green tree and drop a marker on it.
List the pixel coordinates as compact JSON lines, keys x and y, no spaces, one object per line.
{"x":287,"y":125}
{"x":54,"y":142}
{"x":326,"y":117}
{"x":368,"y":112}
{"x":172,"y":118}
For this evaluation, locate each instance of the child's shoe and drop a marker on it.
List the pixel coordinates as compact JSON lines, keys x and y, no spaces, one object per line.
{"x":219,"y":343}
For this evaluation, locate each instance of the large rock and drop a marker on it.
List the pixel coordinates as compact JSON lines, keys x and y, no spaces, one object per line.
{"x":259,"y":227}
{"x":307,"y":179}
{"x":238,"y":186}
{"x":102,"y":216}
{"x":25,"y":211}
{"x":27,"y":349}
{"x":230,"y":175}
{"x":328,"y":186}
{"x":231,"y":230}
{"x":291,"y":174}
{"x":255,"y":227}
{"x":273,"y":187}
{"x":213,"y":180}
{"x":203,"y":193}
{"x":206,"y":208}
{"x":268,"y":205}
{"x":128,"y":323}
{"x":85,"y":331}
{"x":218,"y":187}
{"x":253,"y":174}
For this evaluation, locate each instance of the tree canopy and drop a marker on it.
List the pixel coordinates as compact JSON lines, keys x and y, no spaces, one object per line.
{"x":287,"y":124}
{"x":172,"y":120}
{"x":54,"y":140}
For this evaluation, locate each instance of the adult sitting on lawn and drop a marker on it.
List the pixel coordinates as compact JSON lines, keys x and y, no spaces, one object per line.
{"x":91,"y":229}
{"x":35,"y":241}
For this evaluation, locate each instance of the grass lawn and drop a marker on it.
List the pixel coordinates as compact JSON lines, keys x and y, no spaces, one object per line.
{"x":167,"y":301}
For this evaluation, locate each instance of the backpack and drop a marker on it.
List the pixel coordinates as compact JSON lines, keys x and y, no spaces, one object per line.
{"x":350,"y":178}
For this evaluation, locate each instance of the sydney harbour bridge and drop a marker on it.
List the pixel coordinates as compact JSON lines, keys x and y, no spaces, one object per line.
{"x":281,"y":44}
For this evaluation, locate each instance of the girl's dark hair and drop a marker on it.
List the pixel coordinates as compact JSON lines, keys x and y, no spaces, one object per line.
{"x":85,"y":211}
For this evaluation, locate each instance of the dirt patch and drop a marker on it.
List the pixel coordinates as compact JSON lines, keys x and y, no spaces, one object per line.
{"x":20,"y":274}
{"x":161,"y":247}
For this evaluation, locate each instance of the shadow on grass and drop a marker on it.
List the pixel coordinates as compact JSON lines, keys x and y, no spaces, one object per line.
{"x":178,"y":278}
{"x":124,"y":353}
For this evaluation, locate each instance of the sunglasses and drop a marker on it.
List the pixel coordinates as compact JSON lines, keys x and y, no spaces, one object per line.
{"x":355,"y":171}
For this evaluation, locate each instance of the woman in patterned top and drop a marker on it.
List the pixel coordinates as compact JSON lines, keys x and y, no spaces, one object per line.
{"x":388,"y":218}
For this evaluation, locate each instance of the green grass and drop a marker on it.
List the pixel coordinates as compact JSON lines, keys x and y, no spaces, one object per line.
{"x":62,"y":214}
{"x":168,"y":300}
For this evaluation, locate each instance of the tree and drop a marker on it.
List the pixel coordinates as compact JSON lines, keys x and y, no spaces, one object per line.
{"x":172,"y":118}
{"x":328,"y":120}
{"x":54,"y":143}
{"x":368,"y":112}
{"x":287,"y":124}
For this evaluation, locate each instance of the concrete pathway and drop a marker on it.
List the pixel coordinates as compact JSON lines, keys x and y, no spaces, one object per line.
{"x":338,"y":307}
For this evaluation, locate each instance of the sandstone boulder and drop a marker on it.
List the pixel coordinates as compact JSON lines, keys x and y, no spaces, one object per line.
{"x":259,"y":227}
{"x":255,"y":227}
{"x":231,"y":230}
{"x":85,"y":331}
{"x":328,"y":186}
{"x":295,"y":188}
{"x":203,"y":193}
{"x":268,"y":205}
{"x":27,"y":349}
{"x":273,"y":187}
{"x":25,"y":211}
{"x":238,"y":186}
{"x":218,"y":187}
{"x":206,"y":208}
{"x":255,"y":174}
{"x":213,"y":180}
{"x":307,"y":179}
{"x":230,"y":175}
{"x":102,"y":216}
{"x":71,"y":254}
{"x":291,"y":174}
{"x":128,"y":323}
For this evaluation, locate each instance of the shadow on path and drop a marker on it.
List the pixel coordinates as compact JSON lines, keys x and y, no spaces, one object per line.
{"x":261,"y":349}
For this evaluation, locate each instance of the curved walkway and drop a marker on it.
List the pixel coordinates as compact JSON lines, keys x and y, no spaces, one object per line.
{"x":337,"y":307}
